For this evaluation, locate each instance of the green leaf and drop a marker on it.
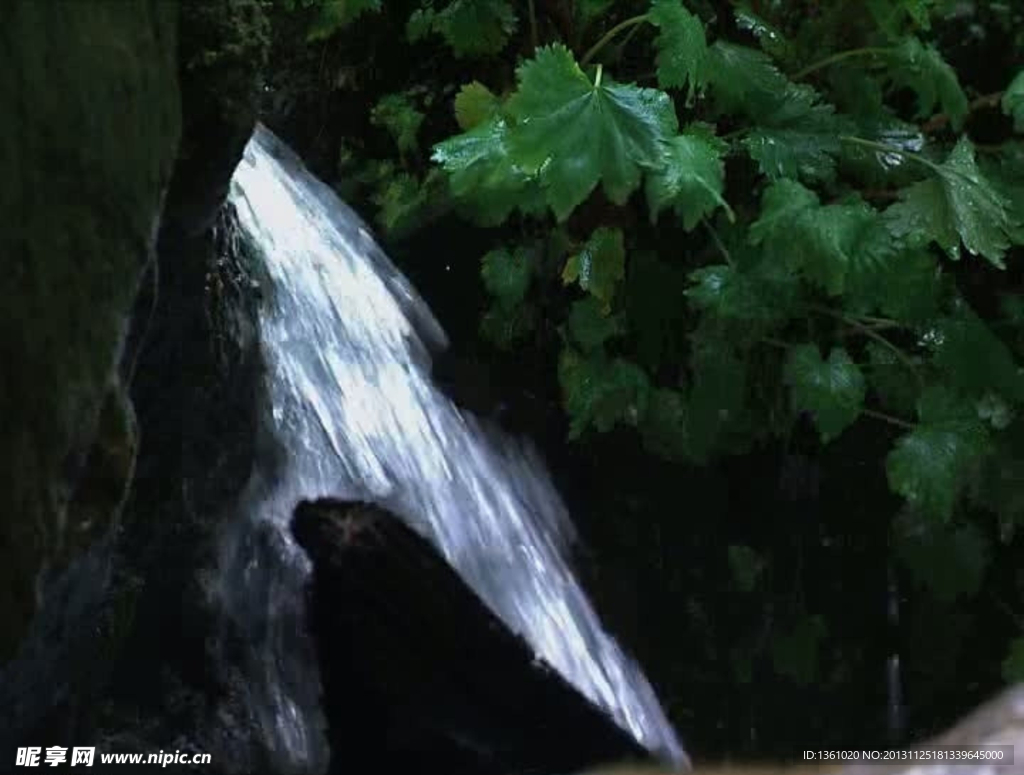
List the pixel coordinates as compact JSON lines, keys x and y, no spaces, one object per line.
{"x":407,"y":203}
{"x":483,"y":177}
{"x":716,"y":398}
{"x":922,"y":69}
{"x":397,"y":114}
{"x":972,"y":358}
{"x":475,"y":104}
{"x":599,"y":266}
{"x":903,"y":285}
{"x":575,"y":133}
{"x":601,"y":392}
{"x":769,"y":37}
{"x":506,"y":327}
{"x":469,"y":27}
{"x":931,"y":465}
{"x":958,"y":204}
{"x":746,"y":566}
{"x":664,"y":427}
{"x":805,"y":147}
{"x":827,"y":244}
{"x":1013,"y":665}
{"x":681,"y":47}
{"x":795,"y":653}
{"x":745,"y":81}
{"x":892,"y":16}
{"x":333,"y":15}
{"x":795,"y":135}
{"x":1013,"y":101}
{"x":691,"y":177}
{"x":506,"y":275}
{"x":589,"y":326}
{"x":783,"y":204}
{"x":948,"y":560}
{"x":832,"y":391}
{"x":892,"y":381}
{"x":748,"y":296}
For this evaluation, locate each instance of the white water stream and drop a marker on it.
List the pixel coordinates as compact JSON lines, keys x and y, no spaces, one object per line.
{"x":353,"y":414}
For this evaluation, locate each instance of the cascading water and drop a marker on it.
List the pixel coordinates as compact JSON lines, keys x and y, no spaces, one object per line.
{"x":354,"y":415}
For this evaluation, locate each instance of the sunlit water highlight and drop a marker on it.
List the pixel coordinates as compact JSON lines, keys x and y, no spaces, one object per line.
{"x":354,"y":415}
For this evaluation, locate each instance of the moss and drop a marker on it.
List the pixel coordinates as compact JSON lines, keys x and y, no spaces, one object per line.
{"x":90,"y":131}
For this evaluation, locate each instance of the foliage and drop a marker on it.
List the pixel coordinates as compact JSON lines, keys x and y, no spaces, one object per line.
{"x":727,"y":228}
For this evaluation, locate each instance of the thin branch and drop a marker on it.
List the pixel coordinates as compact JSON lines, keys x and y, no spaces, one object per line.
{"x":841,"y":56}
{"x":718,"y":242}
{"x":940,"y":120}
{"x":888,"y":419}
{"x":610,"y":35}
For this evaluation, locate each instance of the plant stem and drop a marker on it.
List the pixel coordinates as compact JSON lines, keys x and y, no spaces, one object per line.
{"x":939,"y":121}
{"x":871,"y":334}
{"x":842,"y":55}
{"x":718,"y":242}
{"x":889,"y":149}
{"x":888,"y":418}
{"x":533,"y":24}
{"x":608,"y":36}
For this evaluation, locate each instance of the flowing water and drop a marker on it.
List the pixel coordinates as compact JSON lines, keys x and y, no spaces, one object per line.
{"x":353,"y":414}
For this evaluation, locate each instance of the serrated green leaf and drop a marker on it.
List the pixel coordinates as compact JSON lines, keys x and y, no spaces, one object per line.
{"x":483,"y":177}
{"x":893,"y":382}
{"x":664,"y":427}
{"x":796,"y":135}
{"x":419,"y":25}
{"x":601,"y":392}
{"x":827,"y":244}
{"x":575,"y":133}
{"x":903,"y":285}
{"x":931,"y":465}
{"x":589,"y":10}
{"x":691,"y":177}
{"x":407,"y":203}
{"x":745,"y":81}
{"x":783,"y":204}
{"x":922,"y":69}
{"x":806,"y":149}
{"x":832,"y":391}
{"x":958,"y":204}
{"x":949,"y":561}
{"x":746,"y":566}
{"x":397,"y":114}
{"x":744,"y":296}
{"x":1013,"y":101}
{"x":892,"y":16}
{"x":506,"y":275}
{"x":475,"y":104}
{"x":972,"y":358}
{"x":795,"y":653}
{"x":681,"y":47}
{"x":589,"y":326}
{"x":333,"y":15}
{"x":469,"y":27}
{"x":599,"y":266}
{"x":506,"y":327}
{"x":769,"y":37}
{"x":716,"y":398}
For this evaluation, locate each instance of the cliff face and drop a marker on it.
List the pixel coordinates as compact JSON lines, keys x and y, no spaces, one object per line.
{"x":128,"y":354}
{"x":87,"y":144}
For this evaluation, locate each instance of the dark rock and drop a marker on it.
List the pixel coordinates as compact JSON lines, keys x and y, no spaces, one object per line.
{"x":416,"y":669}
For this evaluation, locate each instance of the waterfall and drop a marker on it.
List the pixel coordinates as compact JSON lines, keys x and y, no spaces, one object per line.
{"x":352,"y":413}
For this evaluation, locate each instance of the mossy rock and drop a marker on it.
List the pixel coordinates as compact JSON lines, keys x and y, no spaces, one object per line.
{"x":90,"y":134}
